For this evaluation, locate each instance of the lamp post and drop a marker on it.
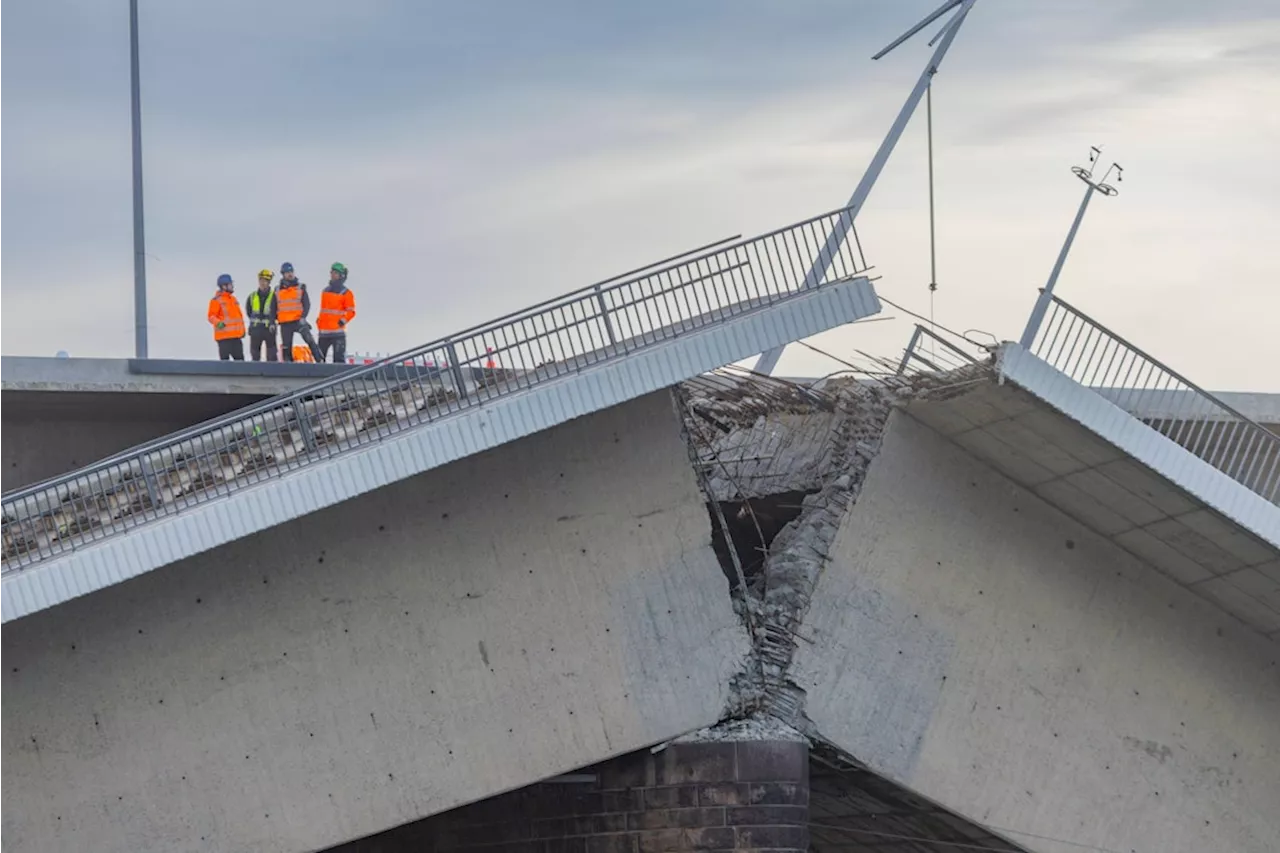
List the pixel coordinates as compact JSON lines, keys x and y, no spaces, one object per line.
{"x":1093,"y":185}
{"x":139,"y":240}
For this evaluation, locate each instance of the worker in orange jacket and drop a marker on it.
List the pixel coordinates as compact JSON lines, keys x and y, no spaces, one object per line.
{"x":337,"y":309}
{"x":293,"y":304}
{"x":227,"y":320}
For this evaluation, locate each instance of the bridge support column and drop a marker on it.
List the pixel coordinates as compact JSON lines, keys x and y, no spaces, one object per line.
{"x":704,"y":794}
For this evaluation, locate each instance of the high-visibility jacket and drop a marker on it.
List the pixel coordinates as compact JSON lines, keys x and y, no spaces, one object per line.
{"x":261,"y":308}
{"x":302,"y":352}
{"x":225,"y":309}
{"x":291,"y":302}
{"x":337,"y":308}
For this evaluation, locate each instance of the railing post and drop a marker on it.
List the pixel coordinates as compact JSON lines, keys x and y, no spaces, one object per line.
{"x":604,"y":315}
{"x":150,"y":478}
{"x":304,"y":426}
{"x":910,"y":351}
{"x":456,"y":369}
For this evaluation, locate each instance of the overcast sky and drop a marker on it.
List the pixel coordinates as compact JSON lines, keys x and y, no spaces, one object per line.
{"x":465,"y":159}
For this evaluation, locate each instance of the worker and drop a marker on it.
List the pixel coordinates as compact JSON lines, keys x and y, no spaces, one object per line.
{"x":260,"y":308}
{"x":293,"y":304}
{"x":337,"y":309}
{"x":227,"y":320}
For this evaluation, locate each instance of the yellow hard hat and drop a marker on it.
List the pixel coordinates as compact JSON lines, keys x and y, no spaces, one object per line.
{"x":267,"y":274}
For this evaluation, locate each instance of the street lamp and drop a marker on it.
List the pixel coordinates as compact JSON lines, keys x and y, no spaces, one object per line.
{"x":139,"y":240}
{"x":1093,"y":185}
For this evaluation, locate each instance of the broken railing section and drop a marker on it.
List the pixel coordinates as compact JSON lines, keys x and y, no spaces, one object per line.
{"x":1091,"y":354}
{"x":599,"y":323}
{"x":928,"y":350}
{"x":780,"y":464}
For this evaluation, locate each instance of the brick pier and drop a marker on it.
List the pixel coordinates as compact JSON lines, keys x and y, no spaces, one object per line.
{"x":727,"y":796}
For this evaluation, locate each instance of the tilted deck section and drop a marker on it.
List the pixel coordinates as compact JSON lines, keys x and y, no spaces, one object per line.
{"x":336,"y":439}
{"x":1128,"y":447}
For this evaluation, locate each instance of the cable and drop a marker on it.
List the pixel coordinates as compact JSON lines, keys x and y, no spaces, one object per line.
{"x":951,"y":332}
{"x":933,"y":246}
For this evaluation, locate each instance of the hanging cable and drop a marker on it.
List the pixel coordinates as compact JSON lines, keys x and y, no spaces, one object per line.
{"x":933,"y":246}
{"x":933,"y":251}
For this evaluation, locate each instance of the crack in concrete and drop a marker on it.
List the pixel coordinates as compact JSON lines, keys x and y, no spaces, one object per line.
{"x":773,"y":603}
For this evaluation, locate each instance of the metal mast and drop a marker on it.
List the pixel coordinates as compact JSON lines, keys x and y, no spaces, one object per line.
{"x":139,"y":240}
{"x":769,"y":360}
{"x":1092,"y":186}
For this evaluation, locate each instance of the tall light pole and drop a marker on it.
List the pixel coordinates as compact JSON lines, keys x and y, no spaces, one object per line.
{"x":139,"y":240}
{"x":1093,"y":185}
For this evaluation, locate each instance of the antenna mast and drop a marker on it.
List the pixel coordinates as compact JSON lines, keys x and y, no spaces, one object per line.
{"x":1093,"y":185}
{"x":769,"y":360}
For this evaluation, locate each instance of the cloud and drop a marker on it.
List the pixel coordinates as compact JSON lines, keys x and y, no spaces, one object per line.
{"x":464,"y":165}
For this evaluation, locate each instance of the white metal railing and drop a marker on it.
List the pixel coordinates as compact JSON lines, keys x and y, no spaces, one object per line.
{"x":598,"y":323}
{"x":1079,"y":346}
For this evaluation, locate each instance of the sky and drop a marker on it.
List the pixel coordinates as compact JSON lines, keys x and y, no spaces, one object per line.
{"x":465,"y":159}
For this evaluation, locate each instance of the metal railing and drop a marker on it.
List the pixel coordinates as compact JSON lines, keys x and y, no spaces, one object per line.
{"x":1091,"y":354}
{"x":598,"y":323}
{"x":929,"y":351}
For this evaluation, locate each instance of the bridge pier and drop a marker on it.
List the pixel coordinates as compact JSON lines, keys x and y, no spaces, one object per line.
{"x":743,"y":786}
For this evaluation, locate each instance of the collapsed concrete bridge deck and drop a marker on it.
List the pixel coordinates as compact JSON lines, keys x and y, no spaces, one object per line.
{"x":155,"y":503}
{"x":560,"y":600}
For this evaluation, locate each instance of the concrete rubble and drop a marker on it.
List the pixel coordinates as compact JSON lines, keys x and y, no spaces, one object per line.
{"x":751,"y":437}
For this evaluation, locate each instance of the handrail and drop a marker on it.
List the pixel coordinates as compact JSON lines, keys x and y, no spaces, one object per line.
{"x":915,"y":347}
{"x":599,"y":322}
{"x":398,"y":359}
{"x":1087,"y":351}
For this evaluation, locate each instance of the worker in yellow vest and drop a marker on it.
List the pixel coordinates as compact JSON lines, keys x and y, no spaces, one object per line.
{"x":227,"y":320}
{"x":260,"y":307}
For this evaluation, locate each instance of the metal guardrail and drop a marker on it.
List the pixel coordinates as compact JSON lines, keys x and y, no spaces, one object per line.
{"x":601,"y":322}
{"x":932,"y":351}
{"x":1091,"y":354}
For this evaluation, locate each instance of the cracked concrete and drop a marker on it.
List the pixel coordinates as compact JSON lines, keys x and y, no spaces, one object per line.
{"x":821,"y":442}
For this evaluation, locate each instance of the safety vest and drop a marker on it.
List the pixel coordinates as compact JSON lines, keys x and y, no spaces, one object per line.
{"x":289,"y":303}
{"x":335,"y":307}
{"x":302,"y":353}
{"x":259,"y":308}
{"x":225,"y":308}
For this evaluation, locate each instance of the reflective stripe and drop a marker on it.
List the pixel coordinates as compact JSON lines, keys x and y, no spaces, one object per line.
{"x":258,"y":305}
{"x":225,"y":309}
{"x":289,"y":304}
{"x":336,"y":310}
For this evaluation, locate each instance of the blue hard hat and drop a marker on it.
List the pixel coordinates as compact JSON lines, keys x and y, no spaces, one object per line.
{"x":286,"y":267}
{"x":224,"y":279}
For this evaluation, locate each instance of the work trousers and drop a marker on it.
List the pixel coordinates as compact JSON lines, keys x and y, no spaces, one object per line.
{"x":231,"y":348}
{"x":336,"y":340}
{"x":262,"y":336}
{"x":287,"y":331}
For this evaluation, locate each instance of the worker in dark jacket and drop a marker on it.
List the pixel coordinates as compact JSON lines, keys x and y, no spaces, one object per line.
{"x":292,"y":307}
{"x":260,"y":308}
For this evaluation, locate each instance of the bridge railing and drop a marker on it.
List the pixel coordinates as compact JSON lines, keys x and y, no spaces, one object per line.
{"x":1096,"y":357}
{"x":927,"y":351}
{"x":598,"y":323}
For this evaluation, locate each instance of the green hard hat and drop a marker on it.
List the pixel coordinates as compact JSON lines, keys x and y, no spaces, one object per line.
{"x":341,"y":269}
